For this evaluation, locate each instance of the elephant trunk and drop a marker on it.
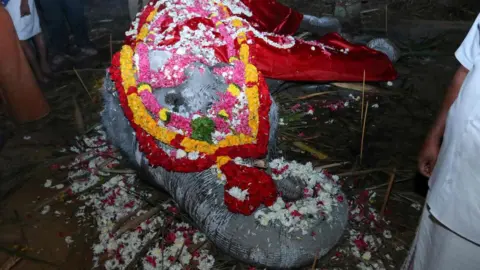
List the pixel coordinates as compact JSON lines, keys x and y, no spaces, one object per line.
{"x":242,"y":237}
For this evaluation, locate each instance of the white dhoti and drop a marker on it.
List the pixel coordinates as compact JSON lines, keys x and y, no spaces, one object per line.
{"x":438,"y":248}
{"x":26,"y":26}
{"x":448,"y":237}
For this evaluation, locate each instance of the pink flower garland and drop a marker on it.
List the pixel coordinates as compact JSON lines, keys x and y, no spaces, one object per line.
{"x":243,"y":127}
{"x":232,"y":74}
{"x":221,"y":125}
{"x":158,"y":23}
{"x":150,"y":102}
{"x":228,"y":39}
{"x":180,"y":122}
{"x":238,"y":73}
{"x":172,"y":74}
{"x":226,"y":102}
{"x":143,"y":62}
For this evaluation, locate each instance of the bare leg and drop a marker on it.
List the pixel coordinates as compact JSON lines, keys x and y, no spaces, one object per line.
{"x":32,"y":59}
{"x":42,"y":51}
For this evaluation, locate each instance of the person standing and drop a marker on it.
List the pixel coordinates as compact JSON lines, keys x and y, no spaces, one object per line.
{"x":57,"y":13}
{"x":27,"y":24}
{"x":18,"y":88}
{"x":448,"y":237}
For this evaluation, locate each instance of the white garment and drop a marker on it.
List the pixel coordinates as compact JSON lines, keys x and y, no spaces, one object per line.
{"x":437,"y":248}
{"x":27,"y":26}
{"x":454,"y":196}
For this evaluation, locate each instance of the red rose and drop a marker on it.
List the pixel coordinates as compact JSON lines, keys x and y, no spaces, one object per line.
{"x":260,"y":186}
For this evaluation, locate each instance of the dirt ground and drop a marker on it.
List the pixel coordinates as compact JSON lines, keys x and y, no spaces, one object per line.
{"x":397,"y":119}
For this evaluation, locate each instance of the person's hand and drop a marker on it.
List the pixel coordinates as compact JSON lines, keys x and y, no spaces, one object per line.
{"x":24,"y":8}
{"x":428,"y":155}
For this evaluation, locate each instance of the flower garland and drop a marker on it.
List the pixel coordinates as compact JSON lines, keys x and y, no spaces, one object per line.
{"x":245,"y":104}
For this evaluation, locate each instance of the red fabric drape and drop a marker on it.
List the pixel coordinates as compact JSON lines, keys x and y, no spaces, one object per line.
{"x":301,"y":63}
{"x":271,"y":16}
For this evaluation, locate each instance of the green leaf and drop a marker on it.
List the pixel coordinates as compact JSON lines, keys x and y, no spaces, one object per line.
{"x":202,"y":129}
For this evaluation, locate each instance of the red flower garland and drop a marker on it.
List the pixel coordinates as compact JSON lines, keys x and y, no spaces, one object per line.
{"x":260,"y":191}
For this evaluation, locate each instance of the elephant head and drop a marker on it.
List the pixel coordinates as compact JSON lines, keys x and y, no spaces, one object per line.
{"x":306,"y":220}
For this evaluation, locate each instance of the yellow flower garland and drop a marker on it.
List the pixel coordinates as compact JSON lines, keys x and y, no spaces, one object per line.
{"x":143,"y":33}
{"x":151,"y":16}
{"x":237,"y":23}
{"x":222,"y":161}
{"x":244,"y":52}
{"x":144,"y":87}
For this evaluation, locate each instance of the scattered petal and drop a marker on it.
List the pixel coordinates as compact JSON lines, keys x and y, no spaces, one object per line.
{"x":48,"y":183}
{"x":68,"y":240}
{"x":367,"y":256}
{"x":45,"y":209}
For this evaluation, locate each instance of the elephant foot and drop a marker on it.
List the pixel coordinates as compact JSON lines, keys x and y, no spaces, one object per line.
{"x":385,"y":46}
{"x":320,"y":25}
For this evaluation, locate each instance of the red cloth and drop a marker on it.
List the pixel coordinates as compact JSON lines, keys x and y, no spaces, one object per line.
{"x":301,"y":63}
{"x":271,"y":16}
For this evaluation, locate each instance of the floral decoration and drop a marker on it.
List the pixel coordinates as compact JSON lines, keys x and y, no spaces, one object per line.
{"x":235,"y":126}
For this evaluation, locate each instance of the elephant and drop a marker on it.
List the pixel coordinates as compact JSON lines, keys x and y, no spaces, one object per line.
{"x":310,"y":214}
